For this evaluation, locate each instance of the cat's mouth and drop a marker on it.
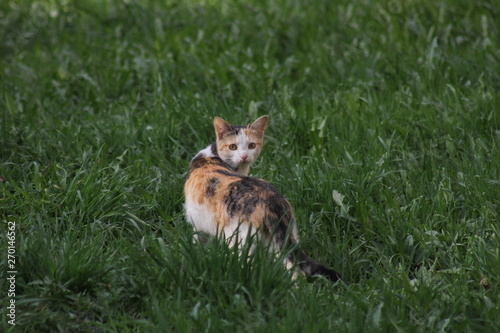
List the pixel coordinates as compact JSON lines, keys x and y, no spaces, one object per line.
{"x":232,"y":163}
{"x":237,"y":165}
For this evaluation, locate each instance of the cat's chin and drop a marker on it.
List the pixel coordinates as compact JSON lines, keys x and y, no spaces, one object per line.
{"x":236,"y":166}
{"x":242,"y":164}
{"x":243,"y":168}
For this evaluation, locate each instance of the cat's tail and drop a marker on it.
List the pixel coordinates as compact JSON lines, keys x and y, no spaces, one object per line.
{"x":311,"y":267}
{"x":283,"y":233}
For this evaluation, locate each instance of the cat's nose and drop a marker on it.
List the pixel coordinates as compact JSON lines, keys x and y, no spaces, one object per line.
{"x":244,"y":157}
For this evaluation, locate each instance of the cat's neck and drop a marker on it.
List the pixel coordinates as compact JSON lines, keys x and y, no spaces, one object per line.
{"x":211,"y":152}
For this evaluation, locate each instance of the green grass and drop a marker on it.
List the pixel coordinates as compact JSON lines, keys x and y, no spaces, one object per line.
{"x":384,"y":134}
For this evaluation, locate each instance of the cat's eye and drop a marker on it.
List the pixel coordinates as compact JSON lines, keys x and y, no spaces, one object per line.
{"x":251,"y":145}
{"x":233,"y":147}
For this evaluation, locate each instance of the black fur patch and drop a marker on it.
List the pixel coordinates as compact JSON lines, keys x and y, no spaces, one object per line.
{"x":238,"y":128}
{"x":228,"y":173}
{"x":244,"y":195}
{"x":211,"y":187}
{"x":234,"y":130}
{"x":214,"y":149}
{"x":241,"y":198}
{"x":200,"y":161}
{"x":197,"y":162}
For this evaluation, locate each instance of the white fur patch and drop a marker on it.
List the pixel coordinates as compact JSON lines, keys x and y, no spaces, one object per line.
{"x":201,"y":218}
{"x":237,"y":233}
{"x":242,"y":142}
{"x":207,"y":152}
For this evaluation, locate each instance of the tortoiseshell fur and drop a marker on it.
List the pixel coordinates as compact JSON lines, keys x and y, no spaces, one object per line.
{"x":222,"y":199}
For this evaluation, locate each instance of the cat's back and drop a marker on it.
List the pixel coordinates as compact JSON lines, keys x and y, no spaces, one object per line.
{"x":205,"y":178}
{"x":210,"y":178}
{"x":216,"y":195}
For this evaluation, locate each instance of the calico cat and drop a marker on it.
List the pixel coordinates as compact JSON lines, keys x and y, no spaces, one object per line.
{"x":222,"y":199}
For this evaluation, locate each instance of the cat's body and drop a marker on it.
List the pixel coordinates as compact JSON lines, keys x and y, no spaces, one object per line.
{"x":222,"y":199}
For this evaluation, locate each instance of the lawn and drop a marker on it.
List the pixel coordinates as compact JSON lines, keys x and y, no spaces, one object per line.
{"x":384,"y":134}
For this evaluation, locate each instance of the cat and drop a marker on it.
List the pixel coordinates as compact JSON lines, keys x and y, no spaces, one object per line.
{"x":221,"y":199}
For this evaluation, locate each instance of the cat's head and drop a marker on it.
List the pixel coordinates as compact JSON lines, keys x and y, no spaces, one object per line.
{"x":239,"y":146}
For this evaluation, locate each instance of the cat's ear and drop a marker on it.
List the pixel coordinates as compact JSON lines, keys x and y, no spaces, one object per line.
{"x":221,"y":127}
{"x":259,"y":126}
